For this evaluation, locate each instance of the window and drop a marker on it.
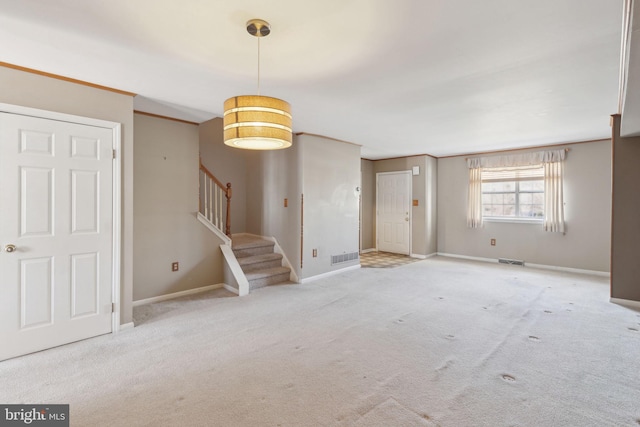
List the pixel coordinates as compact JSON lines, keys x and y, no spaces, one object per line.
{"x":513,"y":193}
{"x":519,"y":187}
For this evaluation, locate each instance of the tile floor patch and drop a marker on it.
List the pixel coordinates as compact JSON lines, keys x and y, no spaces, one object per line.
{"x":384,"y":260}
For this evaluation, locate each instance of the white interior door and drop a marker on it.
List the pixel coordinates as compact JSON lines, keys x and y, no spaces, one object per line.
{"x":56,"y":225}
{"x":393,"y":205}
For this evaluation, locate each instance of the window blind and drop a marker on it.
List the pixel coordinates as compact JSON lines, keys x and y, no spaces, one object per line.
{"x":519,"y":173}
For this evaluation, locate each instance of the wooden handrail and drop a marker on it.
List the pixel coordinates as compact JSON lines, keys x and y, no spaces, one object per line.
{"x":216,"y":180}
{"x":226,"y":189}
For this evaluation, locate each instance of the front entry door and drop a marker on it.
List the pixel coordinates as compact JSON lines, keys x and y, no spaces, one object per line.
{"x":394,"y":212}
{"x":56,"y":233}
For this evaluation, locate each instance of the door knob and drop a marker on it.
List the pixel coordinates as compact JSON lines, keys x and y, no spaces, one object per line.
{"x":10,"y":248}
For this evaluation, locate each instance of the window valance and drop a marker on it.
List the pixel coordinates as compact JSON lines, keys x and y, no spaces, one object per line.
{"x":514,"y":160}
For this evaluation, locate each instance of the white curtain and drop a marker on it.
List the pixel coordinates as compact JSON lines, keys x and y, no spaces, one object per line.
{"x":552,"y":160}
{"x":515,"y":160}
{"x":474,"y":205}
{"x":553,"y":197}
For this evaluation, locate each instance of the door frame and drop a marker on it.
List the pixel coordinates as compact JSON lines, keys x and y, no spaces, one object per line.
{"x":116,"y":129}
{"x":409,"y":173}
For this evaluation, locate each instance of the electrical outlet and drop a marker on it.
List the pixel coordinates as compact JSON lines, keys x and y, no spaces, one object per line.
{"x":175,"y":266}
{"x":315,"y":253}
{"x":493,"y":242}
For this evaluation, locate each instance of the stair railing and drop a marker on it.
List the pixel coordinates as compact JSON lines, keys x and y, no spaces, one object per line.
{"x":212,"y":192}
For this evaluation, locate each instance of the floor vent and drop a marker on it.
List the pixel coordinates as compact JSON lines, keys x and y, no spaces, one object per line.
{"x":339,"y":259}
{"x":511,"y":261}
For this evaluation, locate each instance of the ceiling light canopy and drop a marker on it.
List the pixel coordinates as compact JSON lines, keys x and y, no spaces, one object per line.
{"x":256,"y":122}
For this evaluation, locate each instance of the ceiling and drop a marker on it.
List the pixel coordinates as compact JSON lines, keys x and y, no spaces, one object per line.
{"x":401,"y":77}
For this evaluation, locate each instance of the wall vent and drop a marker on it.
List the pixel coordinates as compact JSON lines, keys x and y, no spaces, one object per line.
{"x":339,"y":259}
{"x":511,"y":261}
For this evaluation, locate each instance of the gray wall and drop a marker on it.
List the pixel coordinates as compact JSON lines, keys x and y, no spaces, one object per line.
{"x":625,"y":247}
{"x":228,"y":164}
{"x":330,"y":178}
{"x":327,"y":173}
{"x":272,"y":177}
{"x":424,"y":190}
{"x":587,"y":192}
{"x":45,"y":93}
{"x":165,"y":226}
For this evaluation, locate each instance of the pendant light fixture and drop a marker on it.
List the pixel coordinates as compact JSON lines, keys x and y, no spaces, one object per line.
{"x":256,"y":122}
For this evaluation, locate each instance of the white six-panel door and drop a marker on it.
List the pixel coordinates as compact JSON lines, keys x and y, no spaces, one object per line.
{"x":393,"y":205}
{"x":56,"y":220}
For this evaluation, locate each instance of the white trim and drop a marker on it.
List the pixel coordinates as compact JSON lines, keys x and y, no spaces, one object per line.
{"x":366,"y":251}
{"x":236,"y":270}
{"x":409,"y":204}
{"x":330,"y":273}
{"x":514,"y":220}
{"x":53,"y":115}
{"x":116,"y":129}
{"x":176,"y":294}
{"x":230,"y":288}
{"x":470,"y":258}
{"x":126,"y":326}
{"x":569,"y":270}
{"x":203,"y":219}
{"x":625,"y":302}
{"x":285,"y":261}
{"x":117,"y":226}
{"x":418,"y":256}
{"x":530,"y":265}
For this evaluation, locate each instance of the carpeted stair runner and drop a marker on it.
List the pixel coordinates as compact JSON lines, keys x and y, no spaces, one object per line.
{"x":260,"y":264}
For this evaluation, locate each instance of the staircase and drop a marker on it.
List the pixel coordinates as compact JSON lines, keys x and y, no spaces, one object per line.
{"x":261,"y":266}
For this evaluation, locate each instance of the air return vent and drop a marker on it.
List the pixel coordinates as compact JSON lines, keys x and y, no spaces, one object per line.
{"x":511,"y":261}
{"x":339,"y":259}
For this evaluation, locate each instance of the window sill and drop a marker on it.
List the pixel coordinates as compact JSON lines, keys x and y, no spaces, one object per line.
{"x":514,"y":220}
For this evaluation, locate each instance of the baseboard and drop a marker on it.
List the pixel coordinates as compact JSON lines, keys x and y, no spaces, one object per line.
{"x":230,"y":289}
{"x":470,"y":258}
{"x":569,"y":270}
{"x":330,"y":273}
{"x":125,"y":326}
{"x":625,"y":302}
{"x":366,"y":251}
{"x":176,"y":295}
{"x":527,"y":264}
{"x":419,"y":256}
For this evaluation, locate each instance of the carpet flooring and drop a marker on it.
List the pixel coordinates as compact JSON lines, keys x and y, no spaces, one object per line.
{"x":438,"y":342}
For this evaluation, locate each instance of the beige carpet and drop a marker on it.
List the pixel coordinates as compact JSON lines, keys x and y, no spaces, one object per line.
{"x":438,"y":342}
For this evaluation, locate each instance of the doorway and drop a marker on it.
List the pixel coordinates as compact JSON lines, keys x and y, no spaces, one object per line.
{"x":59,"y":229}
{"x":393,"y":212}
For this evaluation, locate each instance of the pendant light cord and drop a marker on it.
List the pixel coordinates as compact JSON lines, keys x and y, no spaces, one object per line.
{"x":258,"y":65}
